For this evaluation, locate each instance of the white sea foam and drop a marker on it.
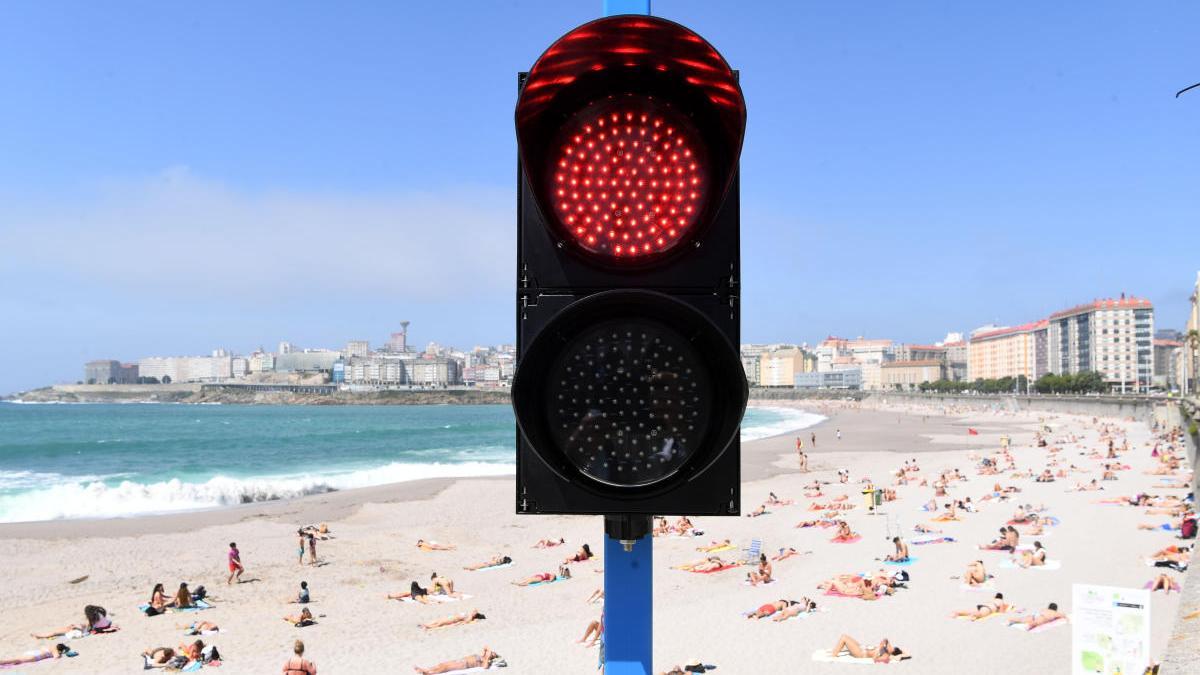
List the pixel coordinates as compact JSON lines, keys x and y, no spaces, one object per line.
{"x":94,"y":499}
{"x":793,"y":419}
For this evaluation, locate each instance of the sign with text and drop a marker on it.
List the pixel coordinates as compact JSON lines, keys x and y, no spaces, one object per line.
{"x":1110,"y":631}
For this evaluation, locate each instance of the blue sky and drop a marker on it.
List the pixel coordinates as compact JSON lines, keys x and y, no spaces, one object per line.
{"x":183,"y":176}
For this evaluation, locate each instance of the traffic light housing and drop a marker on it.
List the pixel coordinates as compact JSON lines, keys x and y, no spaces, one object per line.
{"x":629,"y":391}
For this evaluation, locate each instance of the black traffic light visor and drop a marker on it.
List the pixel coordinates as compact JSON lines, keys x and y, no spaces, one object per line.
{"x":629,"y":65}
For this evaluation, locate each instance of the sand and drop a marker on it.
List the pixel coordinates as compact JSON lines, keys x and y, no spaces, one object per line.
{"x":535,"y":629}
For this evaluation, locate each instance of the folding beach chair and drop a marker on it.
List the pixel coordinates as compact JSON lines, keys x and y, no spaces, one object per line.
{"x":752,"y":553}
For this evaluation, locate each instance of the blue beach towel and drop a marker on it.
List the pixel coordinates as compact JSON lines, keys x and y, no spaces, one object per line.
{"x":906,"y":563}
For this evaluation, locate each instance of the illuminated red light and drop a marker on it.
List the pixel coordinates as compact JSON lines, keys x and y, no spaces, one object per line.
{"x":630,"y":145}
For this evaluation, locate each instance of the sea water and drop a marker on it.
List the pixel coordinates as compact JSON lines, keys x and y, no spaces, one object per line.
{"x":106,"y":460}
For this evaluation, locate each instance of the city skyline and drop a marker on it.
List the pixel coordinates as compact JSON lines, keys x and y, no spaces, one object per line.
{"x":907,"y":171}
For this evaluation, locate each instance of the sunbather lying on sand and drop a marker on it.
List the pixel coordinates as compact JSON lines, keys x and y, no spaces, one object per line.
{"x":35,"y":655}
{"x":708,"y":564}
{"x":158,"y":657}
{"x":304,"y":618}
{"x":415,"y":592}
{"x":714,"y":546}
{"x":549,"y":543}
{"x":795,"y":609}
{"x":494,"y":562}
{"x":882,"y":653}
{"x":761,"y":510}
{"x":198,"y":627}
{"x":455,"y":620}
{"x":784,"y":554}
{"x":844,"y":533}
{"x":768,"y":609}
{"x":853,"y":585}
{"x":996,"y":606}
{"x":1042,"y":618}
{"x":584,"y":553}
{"x":543,"y":577}
{"x":772,"y":500}
{"x":484,"y":659}
{"x":824,"y":522}
{"x":434,"y":546}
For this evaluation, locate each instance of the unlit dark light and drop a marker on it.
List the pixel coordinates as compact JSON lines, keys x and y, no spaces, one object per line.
{"x":629,"y":402}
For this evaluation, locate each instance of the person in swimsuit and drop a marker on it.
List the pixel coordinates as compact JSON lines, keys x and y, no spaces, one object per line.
{"x":158,"y":601}
{"x":235,"y":564}
{"x":768,"y":609}
{"x":193,"y":651}
{"x":763,"y":574}
{"x":312,"y":549}
{"x":844,"y":533}
{"x":1163,"y":582}
{"x":304,"y":618}
{"x":496,"y":561}
{"x":439,"y":585}
{"x":591,"y":634}
{"x":784,"y":554}
{"x":996,"y":606}
{"x":761,"y":510}
{"x":883,"y":653}
{"x":795,"y":609}
{"x":35,"y":655}
{"x":455,"y":620}
{"x":901,"y":554}
{"x":1034,"y":558}
{"x":544,"y":577}
{"x":484,"y":660}
{"x":434,"y":546}
{"x":724,"y":545}
{"x":158,"y":657}
{"x":584,"y":553}
{"x":298,"y":665}
{"x":415,"y":592}
{"x":302,"y":598}
{"x":97,"y":621}
{"x":182,"y":599}
{"x":1042,"y":618}
{"x":300,"y":546}
{"x":975,"y":575}
{"x":549,"y":543}
{"x":709,"y":564}
{"x":199,"y":627}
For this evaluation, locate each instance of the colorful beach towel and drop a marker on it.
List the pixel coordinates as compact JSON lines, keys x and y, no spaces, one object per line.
{"x":493,"y":567}
{"x":719,"y":569}
{"x":901,"y":563}
{"x":933,"y":540}
{"x":849,"y":540}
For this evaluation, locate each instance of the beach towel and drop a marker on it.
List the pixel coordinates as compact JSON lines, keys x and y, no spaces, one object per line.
{"x":493,"y":567}
{"x":719,"y":569}
{"x":555,"y":580}
{"x":849,"y":540}
{"x":1010,"y":564}
{"x":902,"y":563}
{"x":985,"y":618}
{"x":1044,"y":627}
{"x":933,"y":540}
{"x":1174,"y":585}
{"x":718,"y":549}
{"x":439,"y":598}
{"x":199,"y":605}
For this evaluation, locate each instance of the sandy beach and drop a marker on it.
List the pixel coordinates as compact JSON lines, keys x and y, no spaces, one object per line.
{"x":372,"y":552}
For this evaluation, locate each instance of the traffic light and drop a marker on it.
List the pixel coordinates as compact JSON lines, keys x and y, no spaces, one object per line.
{"x":629,"y":390}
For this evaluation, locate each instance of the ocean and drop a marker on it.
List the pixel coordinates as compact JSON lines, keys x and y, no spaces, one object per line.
{"x":112,"y":460}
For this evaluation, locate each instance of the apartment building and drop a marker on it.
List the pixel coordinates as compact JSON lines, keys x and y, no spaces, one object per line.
{"x":1009,"y":352}
{"x":1111,"y":337}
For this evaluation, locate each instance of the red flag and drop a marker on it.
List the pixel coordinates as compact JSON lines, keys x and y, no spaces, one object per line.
{"x":972,"y":432}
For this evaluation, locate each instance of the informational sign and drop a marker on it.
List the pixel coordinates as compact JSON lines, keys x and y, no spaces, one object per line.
{"x":1110,"y":631}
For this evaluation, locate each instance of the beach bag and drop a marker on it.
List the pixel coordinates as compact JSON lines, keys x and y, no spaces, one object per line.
{"x":199,"y":593}
{"x":1187,"y":530}
{"x":210,"y":654}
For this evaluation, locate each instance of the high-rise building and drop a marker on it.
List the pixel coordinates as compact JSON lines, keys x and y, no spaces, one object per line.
{"x":357,"y":348}
{"x":1008,"y":352}
{"x":1111,"y":337}
{"x":398,"y":342}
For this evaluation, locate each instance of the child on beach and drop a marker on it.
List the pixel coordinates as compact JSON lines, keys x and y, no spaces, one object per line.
{"x":235,"y":564}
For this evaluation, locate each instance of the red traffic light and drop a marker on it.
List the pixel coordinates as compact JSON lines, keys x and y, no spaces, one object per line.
{"x":629,"y":129}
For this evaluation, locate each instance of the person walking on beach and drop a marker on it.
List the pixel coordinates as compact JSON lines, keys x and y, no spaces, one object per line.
{"x":839,"y":434}
{"x":813,"y":439}
{"x":300,"y":546}
{"x":800,"y":456}
{"x":312,"y":549}
{"x":235,"y":564}
{"x":298,"y":665}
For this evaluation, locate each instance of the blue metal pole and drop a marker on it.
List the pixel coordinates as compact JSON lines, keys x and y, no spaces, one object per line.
{"x":615,"y":7}
{"x":628,"y":606}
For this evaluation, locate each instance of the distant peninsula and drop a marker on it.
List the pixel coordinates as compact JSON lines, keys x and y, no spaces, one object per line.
{"x":254,"y":395}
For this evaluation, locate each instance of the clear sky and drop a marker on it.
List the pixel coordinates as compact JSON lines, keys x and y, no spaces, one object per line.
{"x":176,"y":177}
